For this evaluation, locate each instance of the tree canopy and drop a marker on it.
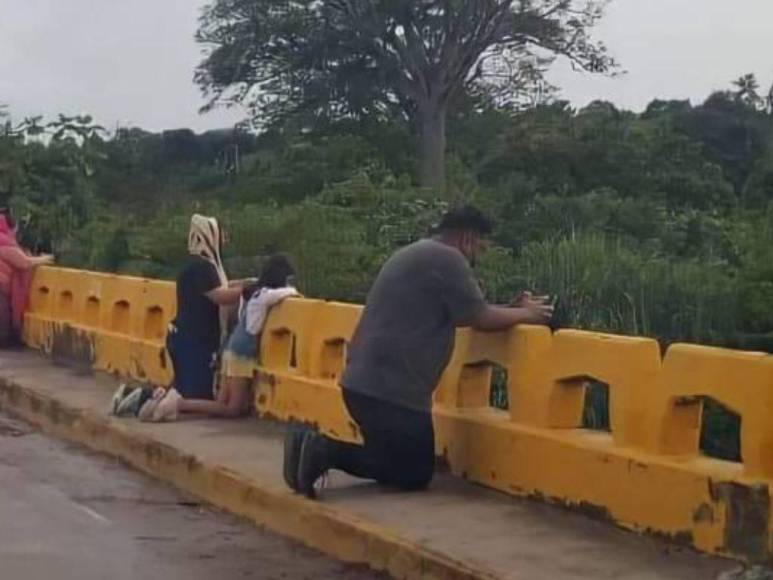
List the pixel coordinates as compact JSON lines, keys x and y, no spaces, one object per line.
{"x":320,"y":60}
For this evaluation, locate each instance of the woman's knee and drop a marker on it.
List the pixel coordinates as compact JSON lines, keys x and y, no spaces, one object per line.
{"x":237,"y":404}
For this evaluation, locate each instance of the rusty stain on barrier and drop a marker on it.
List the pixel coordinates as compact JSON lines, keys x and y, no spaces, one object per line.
{"x":748,"y":518}
{"x":704,"y":514}
{"x":73,"y":348}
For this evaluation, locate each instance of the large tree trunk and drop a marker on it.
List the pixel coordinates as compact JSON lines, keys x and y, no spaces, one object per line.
{"x":432,"y":137}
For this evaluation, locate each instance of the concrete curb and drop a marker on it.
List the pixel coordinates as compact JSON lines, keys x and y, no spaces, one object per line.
{"x":332,"y":531}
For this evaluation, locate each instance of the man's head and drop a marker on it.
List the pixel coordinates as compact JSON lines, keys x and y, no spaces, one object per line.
{"x":465,"y":228}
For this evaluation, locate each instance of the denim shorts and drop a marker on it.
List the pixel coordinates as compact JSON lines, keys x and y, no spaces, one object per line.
{"x":241,"y":343}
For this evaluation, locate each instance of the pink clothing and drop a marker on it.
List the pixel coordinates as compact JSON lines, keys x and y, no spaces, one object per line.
{"x":14,"y":280}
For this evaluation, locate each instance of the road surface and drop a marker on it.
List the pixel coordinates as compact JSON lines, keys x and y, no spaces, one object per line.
{"x":68,"y":514}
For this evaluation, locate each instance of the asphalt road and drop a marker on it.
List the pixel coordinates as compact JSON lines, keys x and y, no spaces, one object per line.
{"x":68,"y":514}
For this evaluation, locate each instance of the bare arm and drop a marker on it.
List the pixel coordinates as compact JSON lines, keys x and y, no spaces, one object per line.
{"x":241,"y":283}
{"x":224,"y":296}
{"x":498,"y":318}
{"x":21,"y":261}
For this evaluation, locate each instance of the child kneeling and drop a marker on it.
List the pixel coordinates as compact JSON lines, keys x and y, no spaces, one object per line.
{"x":240,"y":355}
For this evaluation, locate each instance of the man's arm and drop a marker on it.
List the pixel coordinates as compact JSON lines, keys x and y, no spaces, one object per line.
{"x":498,"y":318}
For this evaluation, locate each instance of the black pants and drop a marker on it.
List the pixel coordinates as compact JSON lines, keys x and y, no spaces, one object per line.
{"x":399,"y":445}
{"x":8,"y":335}
{"x":193,"y":364}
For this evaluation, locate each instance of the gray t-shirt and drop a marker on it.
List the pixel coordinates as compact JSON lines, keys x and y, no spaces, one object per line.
{"x":405,"y":336}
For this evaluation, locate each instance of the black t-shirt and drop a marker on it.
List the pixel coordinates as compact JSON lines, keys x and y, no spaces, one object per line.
{"x":197,"y":315}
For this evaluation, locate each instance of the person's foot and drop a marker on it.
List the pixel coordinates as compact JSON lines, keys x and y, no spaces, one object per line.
{"x":312,"y":463}
{"x":147,"y":409}
{"x":292,"y":453}
{"x":129,"y":405}
{"x":168,"y":408}
{"x":120,"y":394}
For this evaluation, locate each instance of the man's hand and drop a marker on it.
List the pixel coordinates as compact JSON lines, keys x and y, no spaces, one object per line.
{"x":525,"y":296}
{"x":528,"y":310}
{"x":539,"y":308}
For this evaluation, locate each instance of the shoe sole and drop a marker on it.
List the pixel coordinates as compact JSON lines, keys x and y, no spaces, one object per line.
{"x":147,"y":410}
{"x":166,"y":410}
{"x":119,"y":396}
{"x":129,"y":401}
{"x":309,"y":491}
{"x":292,"y":455}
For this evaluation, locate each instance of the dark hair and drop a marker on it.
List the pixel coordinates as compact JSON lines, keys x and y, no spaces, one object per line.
{"x":274,"y":274}
{"x":6,"y":211}
{"x":465,"y":218}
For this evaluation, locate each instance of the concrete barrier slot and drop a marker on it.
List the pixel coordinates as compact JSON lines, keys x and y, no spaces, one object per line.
{"x":498,"y":394}
{"x":91,"y":317}
{"x":40,"y":299}
{"x":154,"y":323}
{"x":720,"y":431}
{"x":281,"y":350}
{"x":333,"y":358}
{"x":595,"y":412}
{"x":483,"y":384}
{"x":65,"y":309}
{"x":119,"y":321}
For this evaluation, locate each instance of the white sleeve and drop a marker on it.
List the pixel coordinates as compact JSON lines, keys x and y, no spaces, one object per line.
{"x":260,"y":304}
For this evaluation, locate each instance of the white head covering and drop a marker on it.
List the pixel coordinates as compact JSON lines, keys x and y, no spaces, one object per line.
{"x":204,"y":241}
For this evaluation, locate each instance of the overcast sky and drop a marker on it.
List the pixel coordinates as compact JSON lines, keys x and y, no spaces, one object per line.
{"x":132,"y":62}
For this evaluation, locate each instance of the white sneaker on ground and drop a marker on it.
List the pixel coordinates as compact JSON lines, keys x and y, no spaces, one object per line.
{"x":127,"y":407}
{"x":168,"y":408}
{"x":119,"y":395}
{"x":146,"y":412}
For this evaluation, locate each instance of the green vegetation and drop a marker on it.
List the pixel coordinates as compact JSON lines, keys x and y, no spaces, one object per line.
{"x":658,"y":224}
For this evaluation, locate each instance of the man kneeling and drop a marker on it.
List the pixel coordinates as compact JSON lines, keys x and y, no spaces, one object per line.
{"x":400,"y":348}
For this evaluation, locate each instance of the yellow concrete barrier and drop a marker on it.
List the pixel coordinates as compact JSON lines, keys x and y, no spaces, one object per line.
{"x":319,"y":332}
{"x":111,"y":323}
{"x":646,"y":473}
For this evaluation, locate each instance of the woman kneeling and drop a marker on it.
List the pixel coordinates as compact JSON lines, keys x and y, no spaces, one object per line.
{"x":239,"y":360}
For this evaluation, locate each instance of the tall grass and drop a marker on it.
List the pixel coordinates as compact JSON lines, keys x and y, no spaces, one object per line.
{"x":604,"y":285}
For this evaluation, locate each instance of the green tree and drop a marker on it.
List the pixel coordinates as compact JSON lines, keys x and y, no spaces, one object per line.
{"x":328,"y":59}
{"x":747,"y":90}
{"x":769,"y":101}
{"x":735,"y":134}
{"x":50,"y":182}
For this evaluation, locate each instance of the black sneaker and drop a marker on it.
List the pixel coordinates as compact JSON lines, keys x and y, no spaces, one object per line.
{"x":292,"y":454}
{"x":313,"y":463}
